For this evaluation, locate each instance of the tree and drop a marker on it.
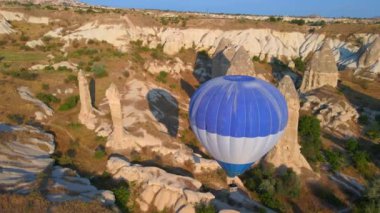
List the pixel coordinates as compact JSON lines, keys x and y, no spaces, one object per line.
{"x":310,"y":132}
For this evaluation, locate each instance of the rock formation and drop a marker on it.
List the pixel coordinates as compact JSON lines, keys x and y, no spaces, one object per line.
{"x":371,"y":54}
{"x":231,"y":60}
{"x":25,"y":153}
{"x":287,"y":152}
{"x":86,"y":115}
{"x":334,"y":111}
{"x":369,"y":61}
{"x":65,"y":184}
{"x":174,"y":67}
{"x":159,"y":188}
{"x":321,"y":71}
{"x":118,"y":139}
{"x":27,"y":95}
{"x":5,"y":27}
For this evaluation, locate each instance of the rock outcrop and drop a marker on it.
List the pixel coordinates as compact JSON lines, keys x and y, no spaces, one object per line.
{"x":321,"y":71}
{"x":287,"y":152}
{"x":63,"y":65}
{"x":334,"y":111}
{"x":369,"y":61}
{"x":25,"y":154}
{"x":65,"y":184}
{"x":27,"y":95}
{"x":5,"y":27}
{"x":117,"y":139}
{"x":17,"y":16}
{"x":35,"y":43}
{"x":86,"y":115}
{"x":159,"y":189}
{"x":174,"y":67}
{"x":231,"y":60}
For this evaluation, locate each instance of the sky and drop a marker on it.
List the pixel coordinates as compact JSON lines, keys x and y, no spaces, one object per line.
{"x":326,"y":8}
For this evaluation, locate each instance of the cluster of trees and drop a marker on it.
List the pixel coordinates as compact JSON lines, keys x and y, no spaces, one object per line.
{"x":310,"y":132}
{"x":271,"y":185}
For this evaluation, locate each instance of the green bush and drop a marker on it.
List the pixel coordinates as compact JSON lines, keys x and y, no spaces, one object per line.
{"x":23,"y":74}
{"x":352,"y":145}
{"x":256,"y":58}
{"x":45,"y":86}
{"x":99,"y":70}
{"x":300,"y":65}
{"x":99,"y":154}
{"x":158,"y":52}
{"x":275,"y":19}
{"x":370,"y":202}
{"x":204,"y":208}
{"x":334,"y":158}
{"x":373,"y":134}
{"x":318,"y":23}
{"x":71,"y":79}
{"x":24,"y":37}
{"x":270,"y":186}
{"x":122,"y":195}
{"x":310,"y":132}
{"x":70,"y":103}
{"x":162,"y":77}
{"x":48,"y":98}
{"x":299,"y":22}
{"x":363,"y":119}
{"x":74,"y":125}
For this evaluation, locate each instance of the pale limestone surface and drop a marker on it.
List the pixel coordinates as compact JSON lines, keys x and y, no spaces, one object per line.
{"x":288,"y":151}
{"x":25,"y":154}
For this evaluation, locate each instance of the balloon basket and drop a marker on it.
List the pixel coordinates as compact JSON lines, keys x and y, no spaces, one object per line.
{"x":233,"y":187}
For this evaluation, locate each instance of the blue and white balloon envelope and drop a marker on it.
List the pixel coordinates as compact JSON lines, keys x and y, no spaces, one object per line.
{"x":238,"y":119}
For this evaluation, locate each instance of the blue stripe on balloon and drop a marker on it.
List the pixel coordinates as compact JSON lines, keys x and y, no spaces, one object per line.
{"x":221,"y":104}
{"x":234,"y":170}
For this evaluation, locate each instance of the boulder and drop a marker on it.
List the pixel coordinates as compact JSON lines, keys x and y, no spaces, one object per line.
{"x":321,"y":70}
{"x":35,"y":43}
{"x":86,"y":115}
{"x":288,"y":152}
{"x":158,"y":187}
{"x":25,"y":154}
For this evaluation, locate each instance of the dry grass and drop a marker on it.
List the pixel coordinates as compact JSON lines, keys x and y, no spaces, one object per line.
{"x":10,"y":203}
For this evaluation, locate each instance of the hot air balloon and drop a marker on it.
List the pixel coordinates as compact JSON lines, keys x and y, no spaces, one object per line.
{"x":238,"y":119}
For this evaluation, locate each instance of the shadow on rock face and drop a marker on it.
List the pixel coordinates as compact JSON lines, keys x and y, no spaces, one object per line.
{"x":164,"y":108}
{"x":188,"y":88}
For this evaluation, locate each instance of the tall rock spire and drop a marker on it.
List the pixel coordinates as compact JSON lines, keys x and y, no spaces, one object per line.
{"x":287,"y":152}
{"x":321,"y":71}
{"x":86,"y":114}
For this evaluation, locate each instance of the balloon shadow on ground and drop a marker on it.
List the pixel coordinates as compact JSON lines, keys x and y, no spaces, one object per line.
{"x":202,"y":67}
{"x":164,"y":108}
